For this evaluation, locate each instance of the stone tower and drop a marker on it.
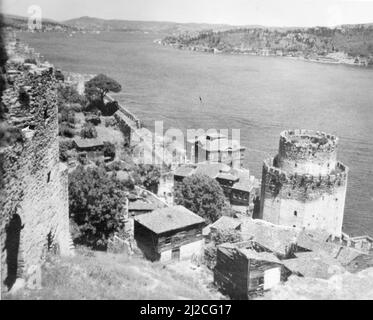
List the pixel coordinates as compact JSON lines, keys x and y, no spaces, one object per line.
{"x":34,"y":210}
{"x":304,"y":186}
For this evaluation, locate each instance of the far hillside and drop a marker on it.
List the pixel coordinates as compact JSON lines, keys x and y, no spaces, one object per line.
{"x":352,"y":40}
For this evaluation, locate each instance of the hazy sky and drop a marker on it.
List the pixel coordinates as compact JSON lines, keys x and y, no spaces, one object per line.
{"x":236,"y":12}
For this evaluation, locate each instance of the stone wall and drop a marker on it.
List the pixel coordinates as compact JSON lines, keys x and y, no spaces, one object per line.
{"x":305,"y":186}
{"x":307,"y":152}
{"x":34,"y":187}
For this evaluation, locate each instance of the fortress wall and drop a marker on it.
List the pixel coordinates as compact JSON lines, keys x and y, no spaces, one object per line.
{"x":307,"y":152}
{"x":304,"y":200}
{"x":35,"y":185}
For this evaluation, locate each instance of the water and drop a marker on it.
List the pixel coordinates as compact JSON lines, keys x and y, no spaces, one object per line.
{"x":259,"y":95}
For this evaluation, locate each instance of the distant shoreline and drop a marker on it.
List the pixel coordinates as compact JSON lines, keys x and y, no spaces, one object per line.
{"x":320,"y":59}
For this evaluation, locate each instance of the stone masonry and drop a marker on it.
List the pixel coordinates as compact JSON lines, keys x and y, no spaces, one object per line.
{"x":34,"y":185}
{"x":304,"y":186}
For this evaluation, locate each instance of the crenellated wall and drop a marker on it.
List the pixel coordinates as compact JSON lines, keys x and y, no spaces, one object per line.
{"x":304,"y":185}
{"x":307,"y":152}
{"x":34,"y":188}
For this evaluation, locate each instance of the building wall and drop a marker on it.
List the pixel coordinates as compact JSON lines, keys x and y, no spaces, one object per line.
{"x":34,"y":188}
{"x":188,"y":250}
{"x":292,"y":196}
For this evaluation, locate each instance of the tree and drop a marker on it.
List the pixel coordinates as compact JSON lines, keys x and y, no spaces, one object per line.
{"x":202,"y":195}
{"x":88,"y":131}
{"x":99,"y":86}
{"x":149,"y":176}
{"x":96,"y":202}
{"x":109,"y":150}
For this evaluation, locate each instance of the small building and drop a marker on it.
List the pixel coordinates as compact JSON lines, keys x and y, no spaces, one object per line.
{"x":215,"y":148}
{"x":240,"y":188}
{"x":223,"y":224}
{"x":86,"y":145}
{"x":313,"y":265}
{"x":244,"y":270}
{"x":172,"y":233}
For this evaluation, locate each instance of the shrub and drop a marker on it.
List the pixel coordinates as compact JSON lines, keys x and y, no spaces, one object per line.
{"x":109,"y":108}
{"x":23,"y":96}
{"x":65,"y":146}
{"x":88,"y":131}
{"x":68,"y":94}
{"x":94,"y":119}
{"x":110,"y":122}
{"x":202,"y":195}
{"x":96,"y":203}
{"x":65,"y":131}
{"x":149,"y":176}
{"x":30,"y":60}
{"x":109,"y":150}
{"x":76,"y":107}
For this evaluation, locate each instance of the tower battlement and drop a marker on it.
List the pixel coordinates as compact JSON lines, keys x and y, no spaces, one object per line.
{"x":307,"y":152}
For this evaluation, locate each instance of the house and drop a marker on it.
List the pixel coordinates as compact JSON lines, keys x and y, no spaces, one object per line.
{"x":86,"y":145}
{"x":215,"y":148}
{"x":314,"y":265}
{"x":281,"y":240}
{"x":363,"y":243}
{"x":244,"y":270}
{"x":239,"y":187}
{"x":221,"y":225}
{"x":172,"y":233}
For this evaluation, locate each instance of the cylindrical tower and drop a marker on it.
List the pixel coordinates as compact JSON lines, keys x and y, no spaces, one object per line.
{"x":304,"y":185}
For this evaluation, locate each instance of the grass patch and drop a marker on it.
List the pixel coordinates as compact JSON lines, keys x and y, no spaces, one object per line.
{"x":101,"y":276}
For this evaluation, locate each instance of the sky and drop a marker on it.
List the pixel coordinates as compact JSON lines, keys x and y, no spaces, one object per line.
{"x":302,"y":13}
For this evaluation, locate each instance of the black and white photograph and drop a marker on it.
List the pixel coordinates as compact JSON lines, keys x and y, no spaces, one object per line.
{"x":204,"y":151}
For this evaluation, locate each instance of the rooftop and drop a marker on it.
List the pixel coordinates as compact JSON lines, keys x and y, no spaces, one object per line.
{"x":277,"y":239}
{"x":310,"y":264}
{"x":88,"y":143}
{"x":226,"y":223}
{"x":169,"y":219}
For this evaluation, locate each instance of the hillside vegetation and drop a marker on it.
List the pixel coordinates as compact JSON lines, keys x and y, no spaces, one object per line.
{"x":354,"y":40}
{"x":100,"y":276}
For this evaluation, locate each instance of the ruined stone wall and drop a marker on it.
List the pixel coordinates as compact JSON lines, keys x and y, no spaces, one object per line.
{"x":34,"y":184}
{"x":292,"y":196}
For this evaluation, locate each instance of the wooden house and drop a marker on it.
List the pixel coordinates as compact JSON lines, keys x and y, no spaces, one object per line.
{"x":172,"y":233}
{"x":244,"y":270}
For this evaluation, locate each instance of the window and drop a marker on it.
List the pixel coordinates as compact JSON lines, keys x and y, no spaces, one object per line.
{"x":168,"y":240}
{"x":295,"y":213}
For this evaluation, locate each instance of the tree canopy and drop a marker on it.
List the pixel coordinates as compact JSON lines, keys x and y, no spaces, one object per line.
{"x":97,"y":201}
{"x":149,"y":176}
{"x":202,"y":195}
{"x":99,"y":86}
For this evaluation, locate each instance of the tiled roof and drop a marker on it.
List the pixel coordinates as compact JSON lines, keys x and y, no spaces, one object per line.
{"x":277,"y":239}
{"x":184,"y":171}
{"x":310,"y":264}
{"x":210,"y":169}
{"x":246,"y":248}
{"x":88,"y":143}
{"x":141,"y":206}
{"x":227,"y":176}
{"x":226,"y":223}
{"x":169,"y":219}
